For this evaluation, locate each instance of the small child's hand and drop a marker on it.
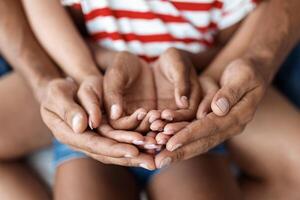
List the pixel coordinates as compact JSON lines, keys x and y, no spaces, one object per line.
{"x":90,"y":97}
{"x":209,"y":88}
{"x":177,"y":87}
{"x":129,"y":93}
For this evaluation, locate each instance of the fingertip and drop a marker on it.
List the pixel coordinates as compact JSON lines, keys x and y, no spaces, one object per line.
{"x":141,"y":114}
{"x":79,"y":123}
{"x":115,"y":111}
{"x":167,"y":114}
{"x":154,"y":115}
{"x":184,"y":101}
{"x":221,"y":106}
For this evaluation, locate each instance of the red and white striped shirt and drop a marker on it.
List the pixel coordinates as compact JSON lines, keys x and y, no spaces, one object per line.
{"x":148,"y":27}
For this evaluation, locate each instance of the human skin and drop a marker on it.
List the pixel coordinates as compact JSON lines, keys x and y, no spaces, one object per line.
{"x":243,"y":69}
{"x":28,"y":98}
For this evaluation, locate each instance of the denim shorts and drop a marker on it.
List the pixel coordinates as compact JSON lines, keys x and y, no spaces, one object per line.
{"x":63,"y":153}
{"x":287,"y":81}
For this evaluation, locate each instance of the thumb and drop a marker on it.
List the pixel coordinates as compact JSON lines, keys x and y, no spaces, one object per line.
{"x":235,"y":83}
{"x":113,"y":94}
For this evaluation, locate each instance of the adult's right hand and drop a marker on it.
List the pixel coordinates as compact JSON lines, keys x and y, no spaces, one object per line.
{"x":61,"y":112}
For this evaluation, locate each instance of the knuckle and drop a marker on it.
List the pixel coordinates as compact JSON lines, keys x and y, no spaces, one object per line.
{"x":233,"y":94}
{"x":179,"y":155}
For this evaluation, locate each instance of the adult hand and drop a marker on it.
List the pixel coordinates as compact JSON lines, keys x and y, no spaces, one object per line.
{"x":108,"y":146}
{"x":233,"y":104}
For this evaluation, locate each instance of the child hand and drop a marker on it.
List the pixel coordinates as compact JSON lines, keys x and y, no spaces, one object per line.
{"x":177,"y":88}
{"x":129,"y":93}
{"x":90,"y":97}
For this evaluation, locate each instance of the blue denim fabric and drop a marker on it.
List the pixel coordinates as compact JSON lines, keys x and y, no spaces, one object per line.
{"x":4,"y":67}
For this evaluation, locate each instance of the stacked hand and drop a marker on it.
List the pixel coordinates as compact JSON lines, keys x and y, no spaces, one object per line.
{"x":152,"y":107}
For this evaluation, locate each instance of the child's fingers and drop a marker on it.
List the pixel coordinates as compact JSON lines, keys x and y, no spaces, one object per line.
{"x":129,"y":122}
{"x":122,"y":136}
{"x":150,"y":142}
{"x":172,"y":128}
{"x":114,"y":83}
{"x":158,"y":125}
{"x":92,"y":104}
{"x":151,"y":116}
{"x":185,"y":114}
{"x":162,"y":138}
{"x":209,"y":88}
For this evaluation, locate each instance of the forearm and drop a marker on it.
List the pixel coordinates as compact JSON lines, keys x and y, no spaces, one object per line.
{"x":58,"y":35}
{"x":20,"y":48}
{"x":263,"y":40}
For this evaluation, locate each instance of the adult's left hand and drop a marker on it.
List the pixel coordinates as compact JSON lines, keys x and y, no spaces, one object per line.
{"x":223,"y":113}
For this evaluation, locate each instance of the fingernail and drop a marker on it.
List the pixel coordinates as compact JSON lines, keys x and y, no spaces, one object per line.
{"x":138,"y":142}
{"x":165,"y":162}
{"x":223,"y":104}
{"x":114,"y":111}
{"x":176,"y":146}
{"x":76,"y":122}
{"x":150,"y":146}
{"x":128,"y":156}
{"x":169,"y":118}
{"x":141,"y":116}
{"x":152,"y":119}
{"x":169,"y":131}
{"x":143,"y":165}
{"x":184,"y":101}
{"x":91,"y":124}
{"x":161,"y":141}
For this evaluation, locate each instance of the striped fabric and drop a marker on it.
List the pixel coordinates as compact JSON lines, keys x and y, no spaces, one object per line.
{"x":148,"y":27}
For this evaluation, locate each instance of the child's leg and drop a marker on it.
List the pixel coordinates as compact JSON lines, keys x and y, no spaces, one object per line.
{"x":19,"y":182}
{"x":85,"y":178}
{"x":21,"y":128}
{"x":203,"y":177}
{"x":22,"y":131}
{"x":268,"y":151}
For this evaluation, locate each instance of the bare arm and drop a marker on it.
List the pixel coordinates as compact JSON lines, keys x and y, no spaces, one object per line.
{"x":21,"y":49}
{"x":264,"y":39}
{"x":58,"y":35}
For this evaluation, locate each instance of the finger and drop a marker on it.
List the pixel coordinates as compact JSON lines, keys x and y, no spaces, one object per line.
{"x":188,"y":113}
{"x":87,"y":141}
{"x":236,"y":81}
{"x":180,"y":69}
{"x":234,"y":122}
{"x":191,"y":150}
{"x":129,"y":122}
{"x":150,"y":142}
{"x":172,"y":128}
{"x":92,"y":104}
{"x":158,"y":125}
{"x":209,"y":89}
{"x":114,"y":84}
{"x":63,"y":104}
{"x":151,"y":116}
{"x":162,"y":138}
{"x":142,"y":160}
{"x":122,"y":136}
